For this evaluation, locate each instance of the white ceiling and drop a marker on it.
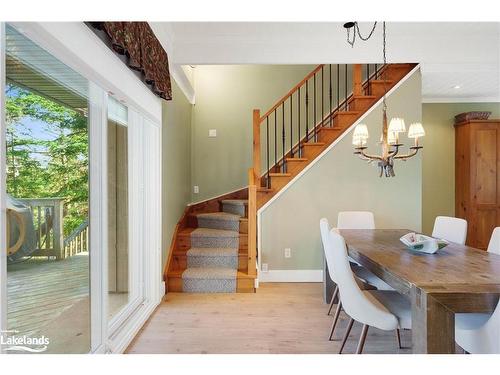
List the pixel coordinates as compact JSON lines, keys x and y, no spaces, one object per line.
{"x":461,"y":54}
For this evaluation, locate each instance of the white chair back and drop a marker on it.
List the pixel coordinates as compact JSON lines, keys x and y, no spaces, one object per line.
{"x":355,"y":220}
{"x":494,"y":245}
{"x":354,"y":301}
{"x":324,"y":228}
{"x":450,"y":229}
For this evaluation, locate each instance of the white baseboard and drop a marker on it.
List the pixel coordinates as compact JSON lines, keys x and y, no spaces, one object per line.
{"x":291,"y":276}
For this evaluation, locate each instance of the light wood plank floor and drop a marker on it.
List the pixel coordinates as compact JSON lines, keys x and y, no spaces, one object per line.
{"x":40,"y":290}
{"x":279,"y":318}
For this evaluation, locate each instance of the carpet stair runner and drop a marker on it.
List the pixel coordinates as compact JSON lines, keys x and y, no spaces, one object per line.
{"x":212,"y":259}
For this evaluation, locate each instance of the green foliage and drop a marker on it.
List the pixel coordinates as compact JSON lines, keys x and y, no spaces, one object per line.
{"x":55,"y":165}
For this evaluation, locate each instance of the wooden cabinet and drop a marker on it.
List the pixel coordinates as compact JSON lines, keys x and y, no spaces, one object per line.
{"x":477,"y":177}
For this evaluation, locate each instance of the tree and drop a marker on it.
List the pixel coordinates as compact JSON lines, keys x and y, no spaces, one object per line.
{"x":55,"y":165}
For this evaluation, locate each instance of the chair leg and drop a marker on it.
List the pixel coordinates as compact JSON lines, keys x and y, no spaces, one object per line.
{"x":398,"y":336}
{"x":346,"y":335}
{"x":334,"y":296}
{"x":335,"y":320}
{"x":362,"y":339}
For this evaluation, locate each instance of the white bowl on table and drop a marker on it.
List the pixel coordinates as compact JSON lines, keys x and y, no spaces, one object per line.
{"x":422,"y":243}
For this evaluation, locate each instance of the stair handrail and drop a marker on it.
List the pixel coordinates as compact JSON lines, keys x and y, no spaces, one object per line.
{"x":78,"y":240}
{"x":293,"y":90}
{"x":359,"y":87}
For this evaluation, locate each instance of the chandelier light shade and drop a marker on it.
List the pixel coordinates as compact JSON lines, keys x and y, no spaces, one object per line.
{"x":360,"y":135}
{"x":397,"y":125}
{"x":389,"y":138}
{"x":416,"y":130}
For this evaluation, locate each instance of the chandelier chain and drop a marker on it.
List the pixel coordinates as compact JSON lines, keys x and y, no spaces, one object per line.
{"x":358,"y":32}
{"x":384,"y":55}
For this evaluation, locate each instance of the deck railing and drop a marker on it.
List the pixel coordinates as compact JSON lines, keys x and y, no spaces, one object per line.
{"x":78,"y":241}
{"x":48,"y":223}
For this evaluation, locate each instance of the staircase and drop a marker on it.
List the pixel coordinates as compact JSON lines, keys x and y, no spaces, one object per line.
{"x":214,"y":247}
{"x":209,"y":252}
{"x":310,"y":117}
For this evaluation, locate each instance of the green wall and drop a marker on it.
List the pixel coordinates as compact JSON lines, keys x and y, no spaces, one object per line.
{"x":176,"y":162}
{"x":340,"y":181}
{"x":438,"y":157}
{"x":225,"y":98}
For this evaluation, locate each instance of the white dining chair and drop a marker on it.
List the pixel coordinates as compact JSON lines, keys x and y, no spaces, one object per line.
{"x":480,"y":333}
{"x":451,"y":229}
{"x":361,"y":220}
{"x":382,"y":309}
{"x":360,"y":272}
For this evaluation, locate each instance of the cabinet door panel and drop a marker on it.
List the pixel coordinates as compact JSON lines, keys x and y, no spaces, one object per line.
{"x":484,"y":223}
{"x":486,"y":166}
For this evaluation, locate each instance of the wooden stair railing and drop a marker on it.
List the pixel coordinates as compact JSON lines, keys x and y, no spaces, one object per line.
{"x":299,"y":126}
{"x":315,"y":112}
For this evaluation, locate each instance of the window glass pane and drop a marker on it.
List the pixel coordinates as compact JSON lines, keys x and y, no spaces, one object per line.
{"x":47,"y":199}
{"x":118,"y":245}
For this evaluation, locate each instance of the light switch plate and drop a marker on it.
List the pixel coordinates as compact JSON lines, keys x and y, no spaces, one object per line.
{"x":212,"y":133}
{"x":288,"y":252}
{"x":196,"y":189}
{"x":264,"y":267}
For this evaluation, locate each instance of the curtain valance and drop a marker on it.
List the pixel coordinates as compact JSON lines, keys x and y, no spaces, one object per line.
{"x":142,"y":51}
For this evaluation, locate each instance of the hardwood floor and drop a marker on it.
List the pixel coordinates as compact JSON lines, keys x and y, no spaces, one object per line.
{"x":279,"y":318}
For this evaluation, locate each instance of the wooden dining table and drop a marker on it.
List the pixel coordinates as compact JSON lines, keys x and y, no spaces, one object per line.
{"x":456,"y":279}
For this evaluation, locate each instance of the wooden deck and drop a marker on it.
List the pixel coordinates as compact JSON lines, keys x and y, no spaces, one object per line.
{"x":39,"y":291}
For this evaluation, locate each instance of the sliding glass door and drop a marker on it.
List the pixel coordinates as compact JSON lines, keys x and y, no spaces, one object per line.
{"x":80,"y":220}
{"x":47,"y":200}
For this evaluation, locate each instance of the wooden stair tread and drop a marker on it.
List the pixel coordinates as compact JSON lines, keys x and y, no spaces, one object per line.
{"x":280,"y":174}
{"x":296,"y":159}
{"x":347,"y":113}
{"x":331,"y":128}
{"x":313,"y":144}
{"x":186,"y":231}
{"x":380,"y":81}
{"x":364,"y":97}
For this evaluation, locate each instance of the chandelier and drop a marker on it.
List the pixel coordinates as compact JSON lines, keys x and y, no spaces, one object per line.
{"x":389,"y":139}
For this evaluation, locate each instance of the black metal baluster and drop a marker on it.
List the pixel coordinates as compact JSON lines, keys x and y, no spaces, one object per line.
{"x":267,"y":152}
{"x":376,"y":71}
{"x":298,"y":108}
{"x":291,"y":126}
{"x":330,"y":94}
{"x":368,"y":78}
{"x":345,"y":86}
{"x":307,"y":110}
{"x":283,"y":168}
{"x":322,"y":98}
{"x":314,"y":117}
{"x":275,"y":143}
{"x":338,"y":87}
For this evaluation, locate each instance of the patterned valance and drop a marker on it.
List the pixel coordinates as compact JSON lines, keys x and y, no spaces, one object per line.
{"x":142,"y":51}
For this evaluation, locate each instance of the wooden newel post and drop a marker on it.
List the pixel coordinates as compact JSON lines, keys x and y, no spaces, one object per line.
{"x":256,"y":145}
{"x":357,"y":83}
